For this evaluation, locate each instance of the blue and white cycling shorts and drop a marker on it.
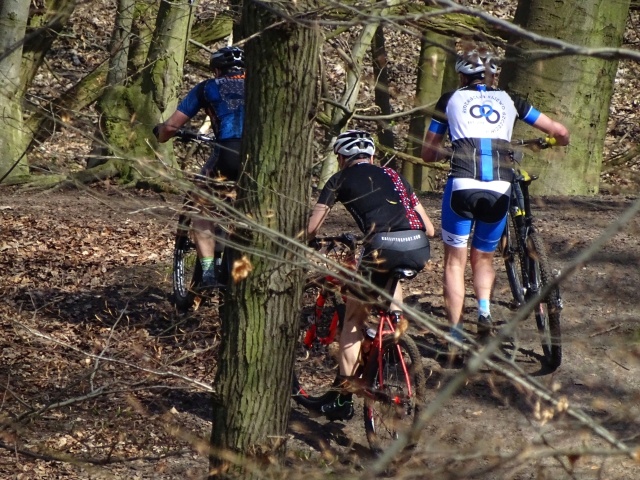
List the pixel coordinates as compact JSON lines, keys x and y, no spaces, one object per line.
{"x":467,"y":202}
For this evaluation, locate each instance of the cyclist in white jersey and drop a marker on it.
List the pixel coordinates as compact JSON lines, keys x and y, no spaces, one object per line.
{"x":480,"y":120}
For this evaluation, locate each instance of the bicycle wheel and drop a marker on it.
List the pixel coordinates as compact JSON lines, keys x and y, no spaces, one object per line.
{"x":192,"y":155}
{"x":512,"y":256}
{"x":548,"y":311}
{"x":397,"y":393}
{"x":316,"y":357}
{"x":187,"y":272}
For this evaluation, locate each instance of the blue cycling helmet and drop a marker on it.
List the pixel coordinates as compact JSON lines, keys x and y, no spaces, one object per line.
{"x":227,"y":58}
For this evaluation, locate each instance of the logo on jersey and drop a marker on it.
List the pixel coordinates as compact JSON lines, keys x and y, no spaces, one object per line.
{"x":485,"y":110}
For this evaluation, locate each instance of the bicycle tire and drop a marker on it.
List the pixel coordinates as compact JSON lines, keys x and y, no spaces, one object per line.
{"x":547,"y":312}
{"x":315,"y":369}
{"x":192,"y":155}
{"x":187,"y":271}
{"x":385,"y":420}
{"x":512,"y":256}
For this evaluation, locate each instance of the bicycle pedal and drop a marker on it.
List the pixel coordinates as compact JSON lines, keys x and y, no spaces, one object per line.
{"x":454,"y":358}
{"x":401,"y":327}
{"x":196,"y":303}
{"x":314,"y":413}
{"x":355,"y":385}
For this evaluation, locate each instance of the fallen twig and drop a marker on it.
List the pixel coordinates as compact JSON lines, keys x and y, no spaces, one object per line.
{"x":615,"y":327}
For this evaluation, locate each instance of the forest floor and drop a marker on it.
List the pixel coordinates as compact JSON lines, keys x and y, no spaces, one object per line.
{"x":102,"y":379}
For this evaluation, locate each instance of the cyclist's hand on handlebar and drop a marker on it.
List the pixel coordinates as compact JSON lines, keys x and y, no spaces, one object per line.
{"x":542,"y":143}
{"x":315,"y":244}
{"x":537,"y":144}
{"x":189,"y":135}
{"x":349,"y":240}
{"x":185,"y":135}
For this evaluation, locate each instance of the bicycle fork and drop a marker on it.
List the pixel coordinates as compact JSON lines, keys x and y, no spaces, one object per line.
{"x":387,"y":327}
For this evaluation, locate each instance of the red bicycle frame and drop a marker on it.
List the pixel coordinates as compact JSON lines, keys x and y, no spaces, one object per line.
{"x":312,"y":333}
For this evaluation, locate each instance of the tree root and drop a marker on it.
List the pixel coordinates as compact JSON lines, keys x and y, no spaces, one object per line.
{"x":122,"y":171}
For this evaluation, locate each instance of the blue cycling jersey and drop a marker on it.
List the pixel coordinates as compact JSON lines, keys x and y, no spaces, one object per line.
{"x":223,"y":100}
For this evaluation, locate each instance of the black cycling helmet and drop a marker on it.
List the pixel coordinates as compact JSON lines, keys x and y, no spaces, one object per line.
{"x":474,"y":62}
{"x":353,"y":144}
{"x":227,"y":58}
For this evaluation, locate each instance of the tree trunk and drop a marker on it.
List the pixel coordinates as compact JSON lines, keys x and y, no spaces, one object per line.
{"x":430,"y":84}
{"x":45,"y":23}
{"x":129,"y":112}
{"x":576,"y":90}
{"x":381,"y":93}
{"x":44,"y":121}
{"x":353,"y":67}
{"x":339,"y":117}
{"x":117,"y":76}
{"x":13,"y":141}
{"x":141,"y":33}
{"x":119,"y":44}
{"x":260,"y":317}
{"x":215,"y":29}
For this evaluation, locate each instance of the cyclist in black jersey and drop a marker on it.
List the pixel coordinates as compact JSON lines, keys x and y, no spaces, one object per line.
{"x":396,"y":227}
{"x":480,"y":120}
{"x":222,"y":98}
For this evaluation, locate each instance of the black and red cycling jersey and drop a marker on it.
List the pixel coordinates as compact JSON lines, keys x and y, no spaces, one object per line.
{"x":378,"y":198}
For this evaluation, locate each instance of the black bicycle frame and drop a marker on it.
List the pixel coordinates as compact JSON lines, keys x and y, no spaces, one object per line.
{"x":520,"y":211}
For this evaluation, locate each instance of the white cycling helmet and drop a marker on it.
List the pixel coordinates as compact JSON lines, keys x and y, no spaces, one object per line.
{"x":354,"y":143}
{"x":474,"y":62}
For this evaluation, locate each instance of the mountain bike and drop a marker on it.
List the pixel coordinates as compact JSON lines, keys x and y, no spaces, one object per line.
{"x":390,"y":372}
{"x":187,"y":271}
{"x":526,"y":261}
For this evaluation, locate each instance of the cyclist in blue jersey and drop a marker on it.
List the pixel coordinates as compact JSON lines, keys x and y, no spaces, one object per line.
{"x":396,"y":227}
{"x":480,"y":120}
{"x":222,"y":98}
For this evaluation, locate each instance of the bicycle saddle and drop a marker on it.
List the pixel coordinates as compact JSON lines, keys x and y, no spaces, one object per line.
{"x":407,"y":273}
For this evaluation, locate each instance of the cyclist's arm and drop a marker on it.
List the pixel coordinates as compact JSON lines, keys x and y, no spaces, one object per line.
{"x":430,"y":231}
{"x":431,"y":148}
{"x":164,"y":131}
{"x":318,"y":215}
{"x":553,"y":129}
{"x":326,"y":201}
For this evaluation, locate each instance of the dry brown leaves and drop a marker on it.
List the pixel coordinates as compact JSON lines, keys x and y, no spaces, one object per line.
{"x":86,"y":321}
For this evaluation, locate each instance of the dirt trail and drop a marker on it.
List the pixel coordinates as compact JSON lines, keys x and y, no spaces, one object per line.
{"x":91,"y":271}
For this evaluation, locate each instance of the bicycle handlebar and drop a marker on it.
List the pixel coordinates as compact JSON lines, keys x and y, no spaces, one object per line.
{"x":188,"y":136}
{"x":349,"y":240}
{"x":534,"y":144}
{"x":542,"y":143}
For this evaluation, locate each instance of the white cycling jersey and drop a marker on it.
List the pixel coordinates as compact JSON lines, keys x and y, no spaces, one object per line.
{"x":480,"y":122}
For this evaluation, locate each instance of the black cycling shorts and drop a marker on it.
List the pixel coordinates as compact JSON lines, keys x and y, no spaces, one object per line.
{"x":385,"y":252}
{"x":224,"y":161}
{"x":484,"y":205}
{"x":222,"y":167}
